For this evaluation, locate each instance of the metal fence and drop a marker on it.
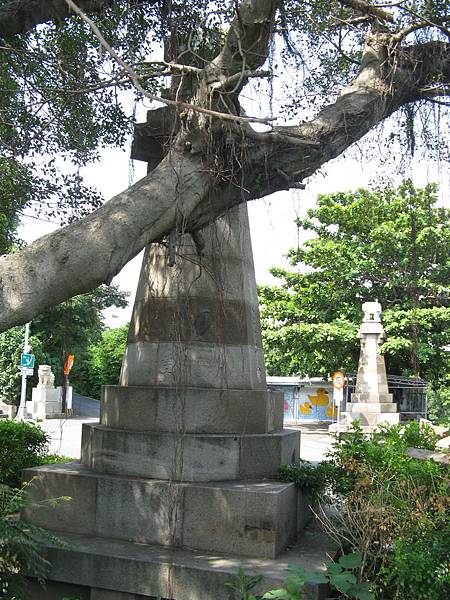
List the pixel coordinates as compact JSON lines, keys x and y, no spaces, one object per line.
{"x":312,"y":399}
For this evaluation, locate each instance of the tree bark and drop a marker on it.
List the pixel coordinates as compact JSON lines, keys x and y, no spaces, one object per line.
{"x":187,"y":190}
{"x":19,"y":16}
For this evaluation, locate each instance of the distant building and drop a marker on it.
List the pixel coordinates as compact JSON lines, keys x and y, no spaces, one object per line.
{"x":311,"y":398}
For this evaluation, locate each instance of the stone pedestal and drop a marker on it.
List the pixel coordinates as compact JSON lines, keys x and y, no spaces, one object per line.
{"x":371,"y":403}
{"x":178,"y":476}
{"x":46,"y":399}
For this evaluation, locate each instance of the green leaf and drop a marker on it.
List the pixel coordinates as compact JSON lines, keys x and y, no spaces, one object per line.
{"x":316,"y":577}
{"x":343,"y":581}
{"x":280,"y":594}
{"x":351,"y":561}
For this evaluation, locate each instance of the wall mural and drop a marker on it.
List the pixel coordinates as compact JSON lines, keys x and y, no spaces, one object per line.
{"x":308,"y":402}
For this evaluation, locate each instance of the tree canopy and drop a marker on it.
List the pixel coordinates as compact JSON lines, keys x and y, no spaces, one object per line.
{"x":73,"y":327}
{"x":65,"y":64}
{"x":393,"y":245}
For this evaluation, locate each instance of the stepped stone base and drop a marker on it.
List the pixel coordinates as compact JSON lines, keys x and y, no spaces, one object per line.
{"x":107,"y":569}
{"x":245,"y":518}
{"x":371,"y":419}
{"x":189,"y":457}
{"x":191,"y":410}
{"x":371,"y":407}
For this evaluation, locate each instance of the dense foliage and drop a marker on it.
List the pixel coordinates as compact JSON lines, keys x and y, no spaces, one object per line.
{"x":74,"y":327}
{"x":104,"y":361}
{"x":393,"y":509}
{"x":63,"y":98}
{"x":21,"y":552}
{"x":22,"y":445}
{"x":393,"y":245}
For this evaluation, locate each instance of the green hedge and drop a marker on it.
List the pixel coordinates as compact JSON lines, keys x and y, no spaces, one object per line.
{"x":22,"y":445}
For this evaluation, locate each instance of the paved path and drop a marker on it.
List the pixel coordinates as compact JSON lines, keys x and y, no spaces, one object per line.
{"x":66,"y":437}
{"x":65,"y":434}
{"x":315,"y":441}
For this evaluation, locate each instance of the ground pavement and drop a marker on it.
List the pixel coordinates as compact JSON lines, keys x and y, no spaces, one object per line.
{"x":65,"y":437}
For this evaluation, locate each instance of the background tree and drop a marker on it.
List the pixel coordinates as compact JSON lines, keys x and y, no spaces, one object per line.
{"x":104,"y":360}
{"x":357,"y":63}
{"x":11,"y":347}
{"x":73,"y":327}
{"x":393,"y":245}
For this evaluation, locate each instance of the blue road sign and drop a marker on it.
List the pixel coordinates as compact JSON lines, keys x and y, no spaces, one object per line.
{"x":27,"y":361}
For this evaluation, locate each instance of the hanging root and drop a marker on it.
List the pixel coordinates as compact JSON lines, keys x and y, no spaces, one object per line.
{"x":172,"y":247}
{"x":197,"y":238}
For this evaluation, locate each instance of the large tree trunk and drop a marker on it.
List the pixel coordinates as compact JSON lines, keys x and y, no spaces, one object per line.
{"x":187,"y":190}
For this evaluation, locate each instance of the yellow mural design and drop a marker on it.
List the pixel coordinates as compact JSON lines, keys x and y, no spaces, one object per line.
{"x":321,"y":398}
{"x":332,"y":411}
{"x":305,"y":408}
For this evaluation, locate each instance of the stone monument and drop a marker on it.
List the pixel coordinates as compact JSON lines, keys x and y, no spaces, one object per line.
{"x":176,"y":488}
{"x":371,"y":403}
{"x":46,"y":399}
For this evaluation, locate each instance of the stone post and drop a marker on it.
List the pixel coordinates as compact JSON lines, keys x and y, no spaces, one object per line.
{"x":371,"y":403}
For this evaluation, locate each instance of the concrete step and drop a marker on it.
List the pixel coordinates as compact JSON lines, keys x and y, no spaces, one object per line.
{"x":188,"y":457}
{"x":246,"y":518}
{"x":191,"y":410}
{"x":105,"y":569}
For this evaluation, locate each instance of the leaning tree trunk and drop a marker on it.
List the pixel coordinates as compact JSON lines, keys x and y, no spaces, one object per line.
{"x":216,"y":163}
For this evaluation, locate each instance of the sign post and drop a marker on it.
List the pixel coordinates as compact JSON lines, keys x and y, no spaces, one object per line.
{"x":67,"y":368}
{"x":26,"y":368}
{"x":338,"y":380}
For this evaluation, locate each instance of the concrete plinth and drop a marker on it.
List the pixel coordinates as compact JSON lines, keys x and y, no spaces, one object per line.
{"x":187,"y":457}
{"x":255,"y":518}
{"x":143,"y":571}
{"x":191,"y":410}
{"x":176,"y":487}
{"x":46,"y":402}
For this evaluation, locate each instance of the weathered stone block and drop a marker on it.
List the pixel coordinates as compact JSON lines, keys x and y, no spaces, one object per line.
{"x":77,"y":514}
{"x":151,"y":571}
{"x":199,"y":364}
{"x":188,"y":457}
{"x":246,"y":518}
{"x":191,"y":410}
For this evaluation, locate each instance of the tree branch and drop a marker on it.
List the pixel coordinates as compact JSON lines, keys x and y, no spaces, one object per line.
{"x":246,"y":46}
{"x":135,"y":81}
{"x":365,"y":8}
{"x":20,"y":16}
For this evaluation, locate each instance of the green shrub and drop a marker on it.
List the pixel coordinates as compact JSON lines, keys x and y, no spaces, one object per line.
{"x":22,"y":445}
{"x":21,"y":553}
{"x":392,"y":509}
{"x":439,"y":404}
{"x":341,"y":576}
{"x":310,"y":477}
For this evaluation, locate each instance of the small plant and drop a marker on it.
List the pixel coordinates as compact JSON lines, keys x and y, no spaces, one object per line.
{"x":311,"y":478}
{"x":340,"y":576}
{"x":21,"y":543}
{"x":243,"y":585}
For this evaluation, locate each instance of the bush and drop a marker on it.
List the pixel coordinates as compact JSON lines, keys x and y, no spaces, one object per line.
{"x":21,"y":543}
{"x":439,"y":405}
{"x":392,"y":509}
{"x":22,"y":445}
